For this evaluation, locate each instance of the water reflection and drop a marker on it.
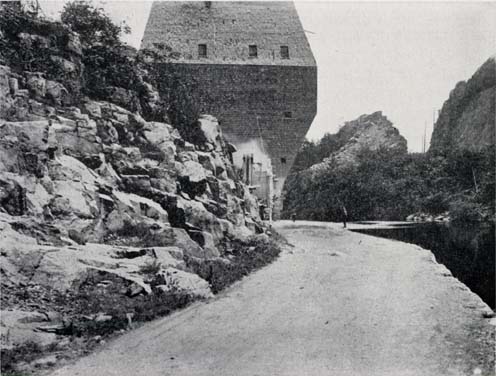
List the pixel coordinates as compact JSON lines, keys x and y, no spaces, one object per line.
{"x":467,"y":250}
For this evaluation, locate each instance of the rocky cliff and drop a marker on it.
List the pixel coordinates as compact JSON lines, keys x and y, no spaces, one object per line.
{"x":367,"y":132}
{"x":349,"y":175}
{"x":467,"y":119}
{"x":99,"y":206}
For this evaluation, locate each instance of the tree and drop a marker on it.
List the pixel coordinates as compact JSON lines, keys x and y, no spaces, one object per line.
{"x":93,"y":25}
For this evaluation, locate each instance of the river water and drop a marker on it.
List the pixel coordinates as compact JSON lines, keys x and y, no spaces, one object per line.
{"x":466,"y":249}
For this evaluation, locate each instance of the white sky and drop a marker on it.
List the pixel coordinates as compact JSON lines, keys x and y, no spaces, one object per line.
{"x":399,"y":57}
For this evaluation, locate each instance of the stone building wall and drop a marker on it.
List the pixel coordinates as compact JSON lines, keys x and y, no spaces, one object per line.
{"x":267,"y":99}
{"x":253,"y":103}
{"x":228,"y":28}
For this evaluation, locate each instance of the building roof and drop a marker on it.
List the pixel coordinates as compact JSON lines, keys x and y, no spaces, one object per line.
{"x":227,"y":29}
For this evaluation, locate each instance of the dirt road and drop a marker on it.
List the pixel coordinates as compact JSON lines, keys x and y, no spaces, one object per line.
{"x":339,"y":303}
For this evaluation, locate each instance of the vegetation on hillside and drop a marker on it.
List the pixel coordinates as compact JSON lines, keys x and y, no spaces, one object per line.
{"x":106,"y":68}
{"x":384,"y":185}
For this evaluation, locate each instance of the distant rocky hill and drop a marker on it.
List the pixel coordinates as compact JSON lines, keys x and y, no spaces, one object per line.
{"x":467,"y":119}
{"x":367,"y":132}
{"x":316,"y":191}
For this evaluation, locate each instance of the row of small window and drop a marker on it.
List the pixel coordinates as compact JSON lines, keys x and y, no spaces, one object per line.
{"x":252,"y":51}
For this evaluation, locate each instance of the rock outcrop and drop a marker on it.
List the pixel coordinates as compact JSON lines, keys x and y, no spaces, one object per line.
{"x":368,"y":132}
{"x":106,"y":175}
{"x":90,"y":191}
{"x":319,"y":191}
{"x":467,"y":119}
{"x":108,"y":214}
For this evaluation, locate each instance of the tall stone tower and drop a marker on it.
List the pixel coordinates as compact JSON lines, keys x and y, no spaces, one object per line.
{"x":253,"y":61}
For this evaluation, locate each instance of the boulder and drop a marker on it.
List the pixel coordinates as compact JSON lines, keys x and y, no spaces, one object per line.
{"x":16,"y":255}
{"x":108,"y":174}
{"x":197,"y":215}
{"x":184,"y":242}
{"x":57,"y":93}
{"x":77,"y":138}
{"x":185,"y":156}
{"x":123,"y":159}
{"x":134,"y":205}
{"x":174,"y":252}
{"x":64,"y":268}
{"x":36,"y":84}
{"x":22,"y":194}
{"x":92,"y":108}
{"x":192,"y":171}
{"x":206,"y":241}
{"x":136,"y":183}
{"x":18,"y":327}
{"x":65,"y":167}
{"x":179,"y":281}
{"x":58,"y":268}
{"x":31,"y":135}
{"x":169,"y":256}
{"x":67,"y":66}
{"x":192,"y":178}
{"x":74,"y":198}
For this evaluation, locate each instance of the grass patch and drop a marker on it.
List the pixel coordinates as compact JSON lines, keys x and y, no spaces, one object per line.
{"x":151,"y":268}
{"x":243,"y":258}
{"x":101,"y":306}
{"x":26,"y":352}
{"x":106,"y":295}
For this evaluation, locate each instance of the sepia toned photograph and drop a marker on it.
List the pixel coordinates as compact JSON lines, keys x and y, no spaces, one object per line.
{"x":252,"y":188}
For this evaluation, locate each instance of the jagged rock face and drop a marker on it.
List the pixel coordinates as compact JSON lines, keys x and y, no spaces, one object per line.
{"x":368,"y":132}
{"x":98,"y":203}
{"x":94,"y":188}
{"x":467,"y":119}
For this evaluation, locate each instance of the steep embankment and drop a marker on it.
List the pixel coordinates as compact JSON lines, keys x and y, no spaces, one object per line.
{"x":105,"y":218}
{"x":467,"y":119}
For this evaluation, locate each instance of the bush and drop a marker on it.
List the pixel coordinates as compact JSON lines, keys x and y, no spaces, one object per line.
{"x":151,"y":268}
{"x":389,"y":186}
{"x":30,"y":54}
{"x":111,"y":299}
{"x":92,"y":24}
{"x":465,"y":211}
{"x":244,"y":257}
{"x":23,"y":353}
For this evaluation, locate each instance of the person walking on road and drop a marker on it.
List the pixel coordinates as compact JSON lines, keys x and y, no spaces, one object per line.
{"x":344,"y":214}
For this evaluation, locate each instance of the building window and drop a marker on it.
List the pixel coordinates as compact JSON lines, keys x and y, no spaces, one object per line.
{"x":202,"y":50}
{"x":288,"y":114}
{"x":283,"y":160}
{"x":284,"y":52}
{"x":252,"y":50}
